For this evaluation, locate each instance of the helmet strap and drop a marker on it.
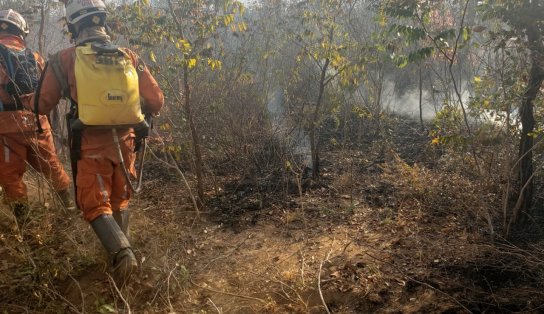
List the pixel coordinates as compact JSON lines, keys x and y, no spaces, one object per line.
{"x":72,"y":29}
{"x":109,"y":31}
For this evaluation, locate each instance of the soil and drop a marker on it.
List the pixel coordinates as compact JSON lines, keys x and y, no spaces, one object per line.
{"x":365,"y":239}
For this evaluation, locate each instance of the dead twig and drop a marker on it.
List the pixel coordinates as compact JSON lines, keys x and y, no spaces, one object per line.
{"x":215,"y":306}
{"x":302,"y":263}
{"x":80,"y":292}
{"x":168,"y":288}
{"x":346,"y":247}
{"x":283,"y":285}
{"x":127,"y":306}
{"x":180,"y":173}
{"x":319,"y":281}
{"x":422,"y":283}
{"x":228,"y":293}
{"x":21,"y":308}
{"x":224,"y":255}
{"x":66,"y":301}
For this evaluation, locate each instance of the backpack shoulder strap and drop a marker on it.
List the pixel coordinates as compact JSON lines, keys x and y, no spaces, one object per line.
{"x":56,"y":66}
{"x":5,"y":59}
{"x":37,"y":99}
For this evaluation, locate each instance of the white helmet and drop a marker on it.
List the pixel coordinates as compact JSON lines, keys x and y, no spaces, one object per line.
{"x":78,"y":9}
{"x":10,"y":17}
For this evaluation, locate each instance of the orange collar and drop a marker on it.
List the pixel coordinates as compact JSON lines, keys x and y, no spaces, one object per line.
{"x":12,"y":41}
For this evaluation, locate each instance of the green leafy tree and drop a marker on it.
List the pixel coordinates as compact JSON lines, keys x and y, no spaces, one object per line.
{"x":189,"y":34}
{"x":523,"y":22}
{"x":417,"y":24}
{"x":323,"y":43}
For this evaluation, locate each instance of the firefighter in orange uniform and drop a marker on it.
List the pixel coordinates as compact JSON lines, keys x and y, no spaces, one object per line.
{"x":19,"y":141}
{"x":101,"y":188}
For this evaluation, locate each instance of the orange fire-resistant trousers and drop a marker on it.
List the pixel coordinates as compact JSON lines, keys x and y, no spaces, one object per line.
{"x":39,"y":151}
{"x":101,"y":184}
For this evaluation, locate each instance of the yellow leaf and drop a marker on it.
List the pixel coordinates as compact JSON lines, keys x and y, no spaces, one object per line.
{"x":214,"y":64}
{"x":477,"y":79}
{"x":435,"y":141}
{"x":287,"y":165}
{"x":191,"y":63}
{"x":152,"y":57}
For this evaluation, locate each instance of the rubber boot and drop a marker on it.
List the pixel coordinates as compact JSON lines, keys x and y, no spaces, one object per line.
{"x":66,"y":199}
{"x":118,"y":247}
{"x":122,"y":219}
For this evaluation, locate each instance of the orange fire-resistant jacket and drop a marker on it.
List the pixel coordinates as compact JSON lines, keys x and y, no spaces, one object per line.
{"x":101,"y":187}
{"x":21,"y":144}
{"x":21,"y":120}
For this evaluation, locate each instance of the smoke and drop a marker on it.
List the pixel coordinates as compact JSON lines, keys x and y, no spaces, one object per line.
{"x":295,"y":137}
{"x":407,"y":104}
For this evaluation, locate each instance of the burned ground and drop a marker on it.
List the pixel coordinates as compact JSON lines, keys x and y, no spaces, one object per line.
{"x":383,"y":232}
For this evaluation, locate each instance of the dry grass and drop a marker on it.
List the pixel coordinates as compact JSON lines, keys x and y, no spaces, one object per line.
{"x":386,"y":237}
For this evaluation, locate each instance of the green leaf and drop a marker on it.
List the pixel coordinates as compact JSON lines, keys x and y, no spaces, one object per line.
{"x":420,"y":54}
{"x":402,"y":61}
{"x":410,"y":32}
{"x":466,"y":33}
{"x":106,"y":308}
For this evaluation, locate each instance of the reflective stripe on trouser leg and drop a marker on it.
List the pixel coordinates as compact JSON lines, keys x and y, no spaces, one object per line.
{"x":103,"y":191}
{"x":12,"y":168}
{"x":94,"y":187}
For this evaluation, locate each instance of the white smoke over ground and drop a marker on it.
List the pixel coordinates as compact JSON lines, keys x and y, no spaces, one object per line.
{"x":408,"y":103}
{"x":294,"y":137}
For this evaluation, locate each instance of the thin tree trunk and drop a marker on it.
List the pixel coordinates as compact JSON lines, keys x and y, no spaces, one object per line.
{"x":314,"y":135}
{"x":190,"y":118}
{"x":41,"y":36}
{"x":528,"y":122}
{"x":421,"y":99}
{"x":194,"y":136}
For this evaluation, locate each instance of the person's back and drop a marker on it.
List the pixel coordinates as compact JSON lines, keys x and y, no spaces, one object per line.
{"x":102,"y":142}
{"x":13,"y":30}
{"x":19,"y":141}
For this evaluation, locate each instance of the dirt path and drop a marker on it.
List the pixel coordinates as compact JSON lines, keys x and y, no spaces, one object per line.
{"x":269,"y":260}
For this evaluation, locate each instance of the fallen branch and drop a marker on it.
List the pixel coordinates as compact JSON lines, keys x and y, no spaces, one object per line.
{"x":127,"y":311}
{"x":319,"y":281}
{"x":228,"y":293}
{"x":215,"y":306}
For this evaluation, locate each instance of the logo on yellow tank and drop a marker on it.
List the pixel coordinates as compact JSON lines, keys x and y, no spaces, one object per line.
{"x":114,"y":97}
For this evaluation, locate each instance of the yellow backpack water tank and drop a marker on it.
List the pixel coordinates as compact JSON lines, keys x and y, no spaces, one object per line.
{"x":107,"y":88}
